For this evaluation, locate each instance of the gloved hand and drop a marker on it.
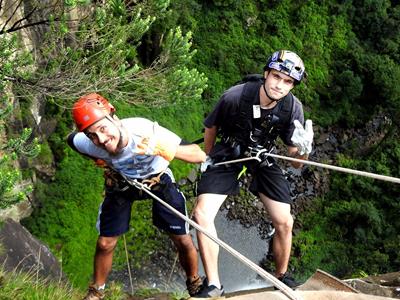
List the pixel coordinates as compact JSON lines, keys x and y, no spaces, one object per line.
{"x":157,"y":146}
{"x":302,"y":138}
{"x":206,"y":164}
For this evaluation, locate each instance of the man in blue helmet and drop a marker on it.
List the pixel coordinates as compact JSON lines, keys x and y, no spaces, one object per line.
{"x":249,"y":117}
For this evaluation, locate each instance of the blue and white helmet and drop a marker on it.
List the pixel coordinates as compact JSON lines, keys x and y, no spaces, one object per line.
{"x":288,"y":63}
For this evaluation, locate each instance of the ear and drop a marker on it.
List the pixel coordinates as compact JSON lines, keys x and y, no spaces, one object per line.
{"x":266,"y":74}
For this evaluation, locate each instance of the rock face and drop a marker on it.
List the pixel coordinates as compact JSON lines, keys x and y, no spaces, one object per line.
{"x":20,"y":251}
{"x":387,"y":285}
{"x":16,"y":212}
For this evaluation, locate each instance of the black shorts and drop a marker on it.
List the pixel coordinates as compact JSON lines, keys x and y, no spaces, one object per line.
{"x":115,"y":211}
{"x":223,"y":180}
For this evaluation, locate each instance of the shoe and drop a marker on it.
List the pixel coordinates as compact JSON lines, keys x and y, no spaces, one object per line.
{"x":289,"y":280}
{"x":94,"y":294}
{"x":194,"y":285}
{"x":209,"y":292}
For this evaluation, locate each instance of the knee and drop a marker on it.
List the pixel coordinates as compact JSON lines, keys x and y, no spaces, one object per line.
{"x":183,"y":242}
{"x":106,"y":244}
{"x":284,"y":226}
{"x":200,"y":216}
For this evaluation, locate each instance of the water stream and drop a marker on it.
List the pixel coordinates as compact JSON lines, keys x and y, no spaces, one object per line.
{"x":234,"y":274}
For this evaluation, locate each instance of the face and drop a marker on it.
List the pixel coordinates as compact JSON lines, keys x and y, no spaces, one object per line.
{"x":105,"y":134}
{"x":277,"y":84}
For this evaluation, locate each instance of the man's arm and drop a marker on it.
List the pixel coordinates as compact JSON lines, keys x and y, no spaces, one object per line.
{"x":191,"y":153}
{"x":70,"y":141}
{"x":210,"y":135}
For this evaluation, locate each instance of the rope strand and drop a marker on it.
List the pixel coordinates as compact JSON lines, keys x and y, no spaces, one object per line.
{"x":312,"y":163}
{"x":127,"y":262}
{"x":288,"y":292}
{"x":340,"y":169}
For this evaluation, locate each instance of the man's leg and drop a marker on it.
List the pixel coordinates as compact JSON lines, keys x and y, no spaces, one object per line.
{"x":102,"y":266}
{"x":282,"y":241}
{"x":204,"y":214}
{"x":187,"y":254}
{"x":103,"y":259}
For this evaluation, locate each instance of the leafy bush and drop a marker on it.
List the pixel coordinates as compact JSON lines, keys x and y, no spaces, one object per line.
{"x":347,"y":232}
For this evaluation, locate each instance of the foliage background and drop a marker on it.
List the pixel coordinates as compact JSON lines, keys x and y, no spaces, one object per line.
{"x":352,"y":60}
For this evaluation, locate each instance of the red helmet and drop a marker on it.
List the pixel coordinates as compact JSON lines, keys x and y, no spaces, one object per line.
{"x":89,"y":109}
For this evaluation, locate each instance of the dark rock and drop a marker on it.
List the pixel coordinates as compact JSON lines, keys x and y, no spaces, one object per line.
{"x":22,"y":252}
{"x":192,"y":175}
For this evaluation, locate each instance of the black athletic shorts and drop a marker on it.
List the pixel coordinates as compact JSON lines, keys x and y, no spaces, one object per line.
{"x":223,"y":180}
{"x":115,"y":211}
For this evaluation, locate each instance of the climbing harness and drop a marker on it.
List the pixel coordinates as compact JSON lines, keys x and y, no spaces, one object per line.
{"x":259,"y":156}
{"x":250,"y":119}
{"x":153,"y":180}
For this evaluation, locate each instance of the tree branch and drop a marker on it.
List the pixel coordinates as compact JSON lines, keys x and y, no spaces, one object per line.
{"x":24,"y":18}
{"x":26,"y":26}
{"x":9,"y":19}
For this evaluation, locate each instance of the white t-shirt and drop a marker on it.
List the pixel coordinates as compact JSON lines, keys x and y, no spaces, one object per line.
{"x":128,"y":162}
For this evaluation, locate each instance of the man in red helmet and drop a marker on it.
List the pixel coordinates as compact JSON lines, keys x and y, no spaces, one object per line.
{"x":258,"y":111}
{"x":133,"y":148}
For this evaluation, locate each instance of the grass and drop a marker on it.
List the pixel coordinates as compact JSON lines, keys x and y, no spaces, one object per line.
{"x":26,"y":286}
{"x":20,"y":285}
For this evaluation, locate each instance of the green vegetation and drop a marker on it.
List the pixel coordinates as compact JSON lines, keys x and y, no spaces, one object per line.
{"x":27,"y":286}
{"x":18,"y":285}
{"x":348,"y":233}
{"x":351,"y":229}
{"x":17,"y":145}
{"x":153,"y":59}
{"x":167,"y":91}
{"x":67,"y":215}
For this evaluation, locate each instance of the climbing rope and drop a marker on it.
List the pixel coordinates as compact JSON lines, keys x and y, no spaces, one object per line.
{"x":177,"y":253}
{"x":127,"y":262}
{"x":265,"y":153}
{"x":275,"y":281}
{"x":340,"y":169}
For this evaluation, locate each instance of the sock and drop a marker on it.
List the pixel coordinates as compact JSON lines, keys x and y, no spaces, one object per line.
{"x":101,"y":287}
{"x":217,"y":285}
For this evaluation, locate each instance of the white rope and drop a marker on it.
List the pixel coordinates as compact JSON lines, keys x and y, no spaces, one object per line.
{"x":312,"y":163}
{"x":275,"y":281}
{"x":127,"y":263}
{"x":340,"y":169}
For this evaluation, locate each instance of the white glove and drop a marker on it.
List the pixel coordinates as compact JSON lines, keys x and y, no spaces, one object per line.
{"x":302,"y":138}
{"x":204,"y":165}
